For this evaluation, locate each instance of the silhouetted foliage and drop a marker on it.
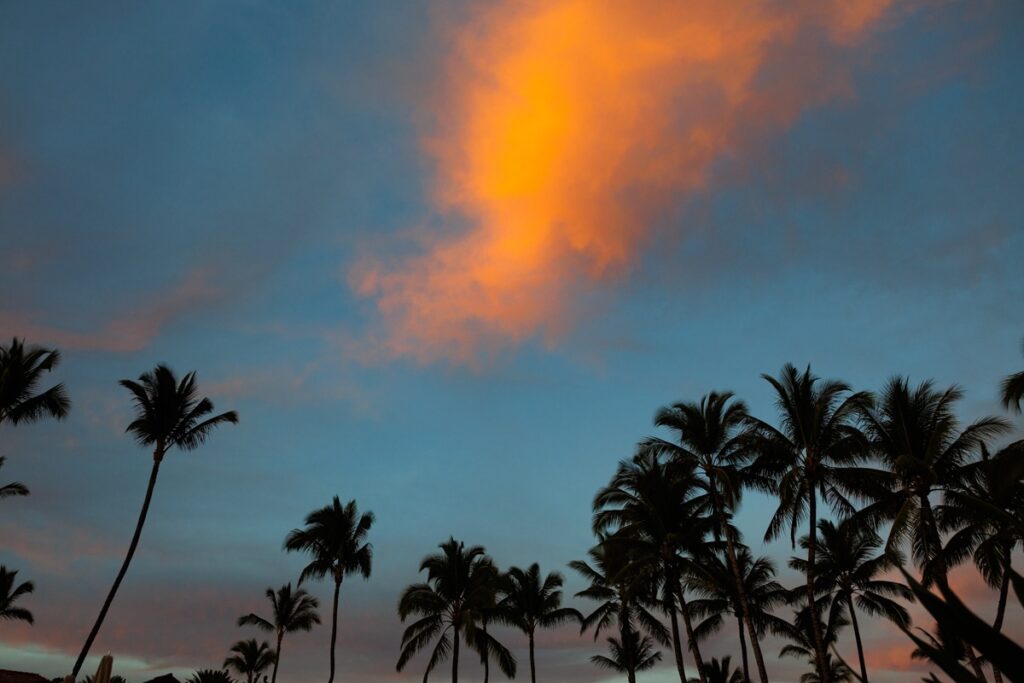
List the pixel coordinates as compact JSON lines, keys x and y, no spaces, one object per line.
{"x":21,"y":372}
{"x":10,"y":592}
{"x":290,"y":611}
{"x":249,"y":658}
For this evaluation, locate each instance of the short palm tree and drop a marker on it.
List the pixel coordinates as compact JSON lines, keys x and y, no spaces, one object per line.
{"x":712,"y":437}
{"x":249,"y":658}
{"x":21,"y":371}
{"x":847,"y":570}
{"x":802,"y":643}
{"x":335,"y":539}
{"x":1013,"y":391}
{"x":719,"y":671}
{"x":460,"y":586}
{"x":717,"y":596}
{"x":531,"y":603}
{"x":15,"y":488}
{"x":916,"y":435}
{"x":290,"y":611}
{"x":10,"y":592}
{"x":631,"y":653}
{"x":168,"y":414}
{"x":211,"y":676}
{"x":812,"y":454}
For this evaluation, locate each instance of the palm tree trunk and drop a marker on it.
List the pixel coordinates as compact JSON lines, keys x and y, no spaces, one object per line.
{"x":743,"y":650}
{"x":533,"y":664}
{"x":277,"y":656}
{"x":1004,"y":589}
{"x":698,"y":661}
{"x":819,"y":648}
{"x":677,"y":647}
{"x":158,"y":456}
{"x":334,"y":624}
{"x":856,"y":635}
{"x":734,"y":565}
{"x":455,"y":655}
{"x":487,"y":653}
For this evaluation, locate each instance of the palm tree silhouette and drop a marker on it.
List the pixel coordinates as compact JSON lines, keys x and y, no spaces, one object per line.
{"x":290,"y":611}
{"x":531,"y":603}
{"x":719,"y":671}
{"x":812,"y":454}
{"x":649,"y":508}
{"x":168,"y":414}
{"x":335,"y":539}
{"x":802,"y":644}
{"x":712,"y":438}
{"x":10,"y":592}
{"x":494,"y":610}
{"x":210,"y":676}
{"x":459,"y":588}
{"x":631,"y":653}
{"x":250,"y":659}
{"x":847,"y":567}
{"x":21,"y":371}
{"x":715,"y":584}
{"x":15,"y":488}
{"x":1013,"y":391}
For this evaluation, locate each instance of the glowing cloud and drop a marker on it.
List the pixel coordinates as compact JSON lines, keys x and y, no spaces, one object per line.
{"x":565,"y":131}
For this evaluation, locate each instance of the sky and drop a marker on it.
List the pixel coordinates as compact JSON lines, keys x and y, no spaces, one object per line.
{"x":447,"y":259}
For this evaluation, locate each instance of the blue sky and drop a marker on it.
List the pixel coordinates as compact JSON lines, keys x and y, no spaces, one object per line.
{"x":194,"y":184}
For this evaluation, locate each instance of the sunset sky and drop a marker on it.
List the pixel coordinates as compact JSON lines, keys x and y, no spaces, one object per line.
{"x":448,"y":259}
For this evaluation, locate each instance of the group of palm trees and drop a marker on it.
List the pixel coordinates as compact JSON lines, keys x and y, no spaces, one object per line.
{"x":897,"y":471}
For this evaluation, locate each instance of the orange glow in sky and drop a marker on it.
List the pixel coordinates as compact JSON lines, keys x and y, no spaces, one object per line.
{"x":566,"y":130}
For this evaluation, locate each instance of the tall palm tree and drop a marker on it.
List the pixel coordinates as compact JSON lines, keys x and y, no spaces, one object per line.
{"x":335,"y":539}
{"x":493,"y":611}
{"x":15,"y":488}
{"x":531,"y":603}
{"x":719,"y":596}
{"x":648,"y":505}
{"x":1013,"y":391}
{"x":916,"y":435}
{"x":21,"y":371}
{"x":249,"y":658}
{"x":847,"y":569}
{"x":813,"y":453}
{"x":168,"y":414}
{"x":10,"y":592}
{"x":290,"y":611}
{"x":711,"y":437}
{"x":459,"y":587}
{"x":631,"y":653}
{"x":719,"y":671}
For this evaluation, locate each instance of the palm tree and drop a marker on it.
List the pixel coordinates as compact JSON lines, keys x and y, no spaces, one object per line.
{"x":460,"y":585}
{"x":711,"y":437}
{"x":9,"y":594}
{"x":812,"y":454}
{"x":531,"y":603}
{"x":250,"y":659}
{"x":210,"y":676}
{"x":14,"y":488}
{"x":21,"y":371}
{"x":648,"y":506}
{"x":847,"y":567}
{"x":631,"y":653}
{"x":335,"y":539}
{"x":494,"y":610}
{"x":168,"y":414}
{"x":718,"y":596}
{"x":1013,"y":391}
{"x":802,"y":644}
{"x":290,"y":611}
{"x":718,"y":671}
{"x":915,"y":433}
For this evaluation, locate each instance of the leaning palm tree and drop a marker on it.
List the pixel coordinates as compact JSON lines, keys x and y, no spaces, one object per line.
{"x":168,"y":414}
{"x":813,"y":453}
{"x":631,"y":653}
{"x":249,"y":658}
{"x":15,"y":488}
{"x":335,"y":539}
{"x":711,"y":436}
{"x":847,"y":570}
{"x":10,"y":592}
{"x":531,"y":603}
{"x":718,"y":671}
{"x":460,"y":585}
{"x":1013,"y":391}
{"x":21,"y":371}
{"x":290,"y":611}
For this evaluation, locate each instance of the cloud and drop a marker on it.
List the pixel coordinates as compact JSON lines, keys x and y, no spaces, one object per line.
{"x":565,"y":132}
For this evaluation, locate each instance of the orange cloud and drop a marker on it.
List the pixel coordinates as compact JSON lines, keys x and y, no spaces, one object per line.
{"x":566,"y":130}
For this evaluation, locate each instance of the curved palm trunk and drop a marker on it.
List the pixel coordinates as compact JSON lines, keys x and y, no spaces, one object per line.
{"x":743,"y":650}
{"x":1004,"y":589}
{"x":157,"y":458}
{"x":677,"y":647}
{"x":856,"y":635}
{"x":734,"y":566}
{"x":277,"y":656}
{"x":455,"y":656}
{"x":533,"y":664}
{"x":487,"y":653}
{"x":698,"y":661}
{"x":819,"y":648}
{"x":334,"y":624}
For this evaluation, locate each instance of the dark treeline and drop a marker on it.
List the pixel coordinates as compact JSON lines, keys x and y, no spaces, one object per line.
{"x":881,"y":494}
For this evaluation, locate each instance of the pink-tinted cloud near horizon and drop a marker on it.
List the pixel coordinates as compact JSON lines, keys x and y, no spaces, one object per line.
{"x":566,"y":131}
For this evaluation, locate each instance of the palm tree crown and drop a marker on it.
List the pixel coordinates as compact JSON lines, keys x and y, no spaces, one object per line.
{"x":719,"y":671}
{"x":631,"y":653}
{"x":21,"y":371}
{"x":249,"y":658}
{"x":1013,"y":391}
{"x":10,"y":592}
{"x":290,"y":611}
